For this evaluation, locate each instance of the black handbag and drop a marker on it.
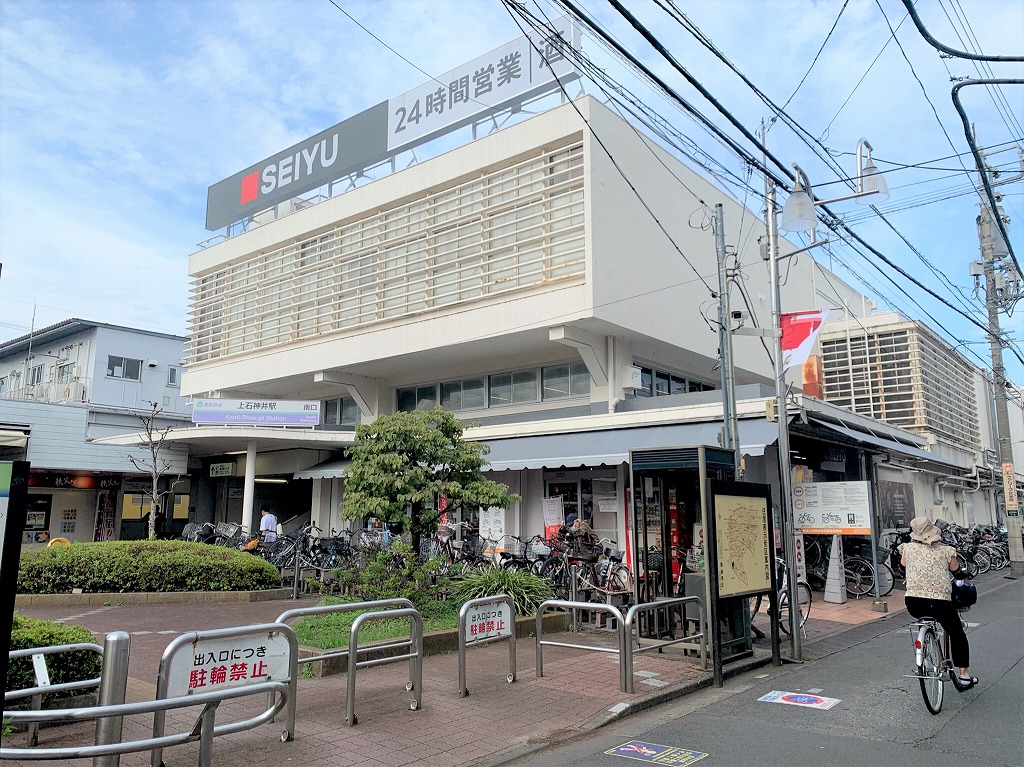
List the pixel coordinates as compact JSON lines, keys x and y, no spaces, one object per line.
{"x":965,"y":593}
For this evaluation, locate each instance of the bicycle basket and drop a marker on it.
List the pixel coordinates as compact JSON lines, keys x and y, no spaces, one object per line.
{"x":228,"y":529}
{"x":539,"y":549}
{"x":584,"y":550}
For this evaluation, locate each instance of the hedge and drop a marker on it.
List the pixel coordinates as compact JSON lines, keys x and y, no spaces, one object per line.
{"x":62,"y":667}
{"x":127,"y":566}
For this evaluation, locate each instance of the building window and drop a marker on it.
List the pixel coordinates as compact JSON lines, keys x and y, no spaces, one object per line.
{"x":35,"y":375}
{"x":173,"y":376}
{"x":661,"y":387}
{"x":518,"y":388}
{"x":65,"y":373}
{"x":3,"y":384}
{"x":123,"y":367}
{"x":562,"y":381}
{"x":417,"y":398}
{"x":340,"y":412}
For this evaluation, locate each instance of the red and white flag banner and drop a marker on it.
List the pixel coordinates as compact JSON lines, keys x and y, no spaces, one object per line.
{"x":799,"y":331}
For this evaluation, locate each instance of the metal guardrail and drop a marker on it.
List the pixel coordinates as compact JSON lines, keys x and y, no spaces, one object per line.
{"x":380,"y":604}
{"x":415,"y":656}
{"x":207,"y":730}
{"x":625,"y":629}
{"x":217,"y":641}
{"x":42,"y":678}
{"x":667,"y":604}
{"x":500,"y":632}
{"x":565,"y":604}
{"x":399,"y":607}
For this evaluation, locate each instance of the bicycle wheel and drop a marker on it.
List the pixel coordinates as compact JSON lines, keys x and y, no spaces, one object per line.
{"x":860,"y":576}
{"x":967,"y":565}
{"x":620,"y":578}
{"x":803,"y":596}
{"x":556,"y":573}
{"x":983,"y":562}
{"x":755,"y":605}
{"x":930,"y":672}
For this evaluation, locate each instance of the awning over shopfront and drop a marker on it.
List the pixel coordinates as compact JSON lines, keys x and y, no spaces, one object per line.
{"x":611,"y":447}
{"x":325,"y":470}
{"x":889,"y":445}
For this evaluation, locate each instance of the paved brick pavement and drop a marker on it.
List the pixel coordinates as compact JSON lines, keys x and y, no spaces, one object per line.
{"x":497,"y":721}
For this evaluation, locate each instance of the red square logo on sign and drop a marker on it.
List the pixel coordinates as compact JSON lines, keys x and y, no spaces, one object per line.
{"x":250,"y":188}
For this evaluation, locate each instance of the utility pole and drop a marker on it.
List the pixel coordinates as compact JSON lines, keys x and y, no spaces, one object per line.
{"x":992,"y":299}
{"x":730,"y":430}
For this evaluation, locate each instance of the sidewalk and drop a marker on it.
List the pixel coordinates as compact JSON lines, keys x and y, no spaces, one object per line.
{"x":496,"y":722}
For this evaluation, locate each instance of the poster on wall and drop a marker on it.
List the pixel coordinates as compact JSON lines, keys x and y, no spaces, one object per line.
{"x":492,"y":526}
{"x":895,"y":504}
{"x":553,"y":516}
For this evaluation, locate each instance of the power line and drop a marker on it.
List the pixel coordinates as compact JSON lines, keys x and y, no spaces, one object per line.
{"x":816,"y":55}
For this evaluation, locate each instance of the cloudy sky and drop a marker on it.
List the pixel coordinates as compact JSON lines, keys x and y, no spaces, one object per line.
{"x":115,"y":118}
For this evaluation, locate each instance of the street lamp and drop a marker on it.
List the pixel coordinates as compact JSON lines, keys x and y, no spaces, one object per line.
{"x":798,"y":215}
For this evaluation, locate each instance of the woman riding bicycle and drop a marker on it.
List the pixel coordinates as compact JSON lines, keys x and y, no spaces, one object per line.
{"x":929,"y":564}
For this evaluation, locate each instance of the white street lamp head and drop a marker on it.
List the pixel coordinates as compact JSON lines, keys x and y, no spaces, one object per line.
{"x":870,"y":182}
{"x":798,"y":213}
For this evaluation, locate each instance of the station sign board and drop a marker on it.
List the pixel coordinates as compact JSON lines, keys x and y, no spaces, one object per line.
{"x":256,"y":412}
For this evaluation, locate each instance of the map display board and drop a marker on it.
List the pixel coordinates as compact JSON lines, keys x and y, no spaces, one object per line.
{"x":744,"y":544}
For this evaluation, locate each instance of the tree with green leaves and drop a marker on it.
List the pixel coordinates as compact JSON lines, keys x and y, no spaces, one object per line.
{"x":402,"y":463}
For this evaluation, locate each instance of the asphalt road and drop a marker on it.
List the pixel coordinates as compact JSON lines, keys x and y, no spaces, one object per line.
{"x":881,"y":719}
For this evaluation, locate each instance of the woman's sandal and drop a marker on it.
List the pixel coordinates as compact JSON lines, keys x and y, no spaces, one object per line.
{"x":963,"y":683}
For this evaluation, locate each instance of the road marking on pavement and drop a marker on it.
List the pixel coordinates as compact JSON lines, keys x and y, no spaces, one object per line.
{"x":656,"y":753}
{"x":805,"y":700}
{"x":814,"y":690}
{"x":646,"y":673}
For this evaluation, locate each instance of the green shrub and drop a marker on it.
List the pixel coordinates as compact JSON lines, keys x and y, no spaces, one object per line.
{"x":395,"y":572}
{"x":62,"y":667}
{"x":526,"y":589}
{"x":124,"y":566}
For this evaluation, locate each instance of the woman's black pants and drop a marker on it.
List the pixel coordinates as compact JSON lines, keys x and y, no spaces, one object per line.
{"x":944,"y":612}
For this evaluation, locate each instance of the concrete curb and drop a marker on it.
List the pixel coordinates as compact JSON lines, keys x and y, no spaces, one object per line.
{"x":147,"y":598}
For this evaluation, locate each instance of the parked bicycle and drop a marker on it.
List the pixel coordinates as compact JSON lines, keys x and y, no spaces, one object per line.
{"x":803,"y":590}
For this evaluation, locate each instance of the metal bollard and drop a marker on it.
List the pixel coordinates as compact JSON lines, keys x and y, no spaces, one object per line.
{"x":295,"y":580}
{"x":206,"y":733}
{"x":113,"y":688}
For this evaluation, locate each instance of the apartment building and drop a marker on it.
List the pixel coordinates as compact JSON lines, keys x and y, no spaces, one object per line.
{"x":66,"y":386}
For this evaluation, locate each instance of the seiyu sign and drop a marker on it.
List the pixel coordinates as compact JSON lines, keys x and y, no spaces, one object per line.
{"x":525,"y":67}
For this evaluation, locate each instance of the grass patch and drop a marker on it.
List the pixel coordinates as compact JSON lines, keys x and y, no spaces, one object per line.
{"x":332,"y":630}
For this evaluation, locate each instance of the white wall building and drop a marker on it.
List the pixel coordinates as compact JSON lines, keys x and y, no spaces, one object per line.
{"x":67,"y":385}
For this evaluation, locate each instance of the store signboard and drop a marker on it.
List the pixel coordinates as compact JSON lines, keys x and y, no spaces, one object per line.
{"x":1010,"y":489}
{"x":256,"y":412}
{"x":529,"y":66}
{"x":222,"y":469}
{"x":831,"y":508}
